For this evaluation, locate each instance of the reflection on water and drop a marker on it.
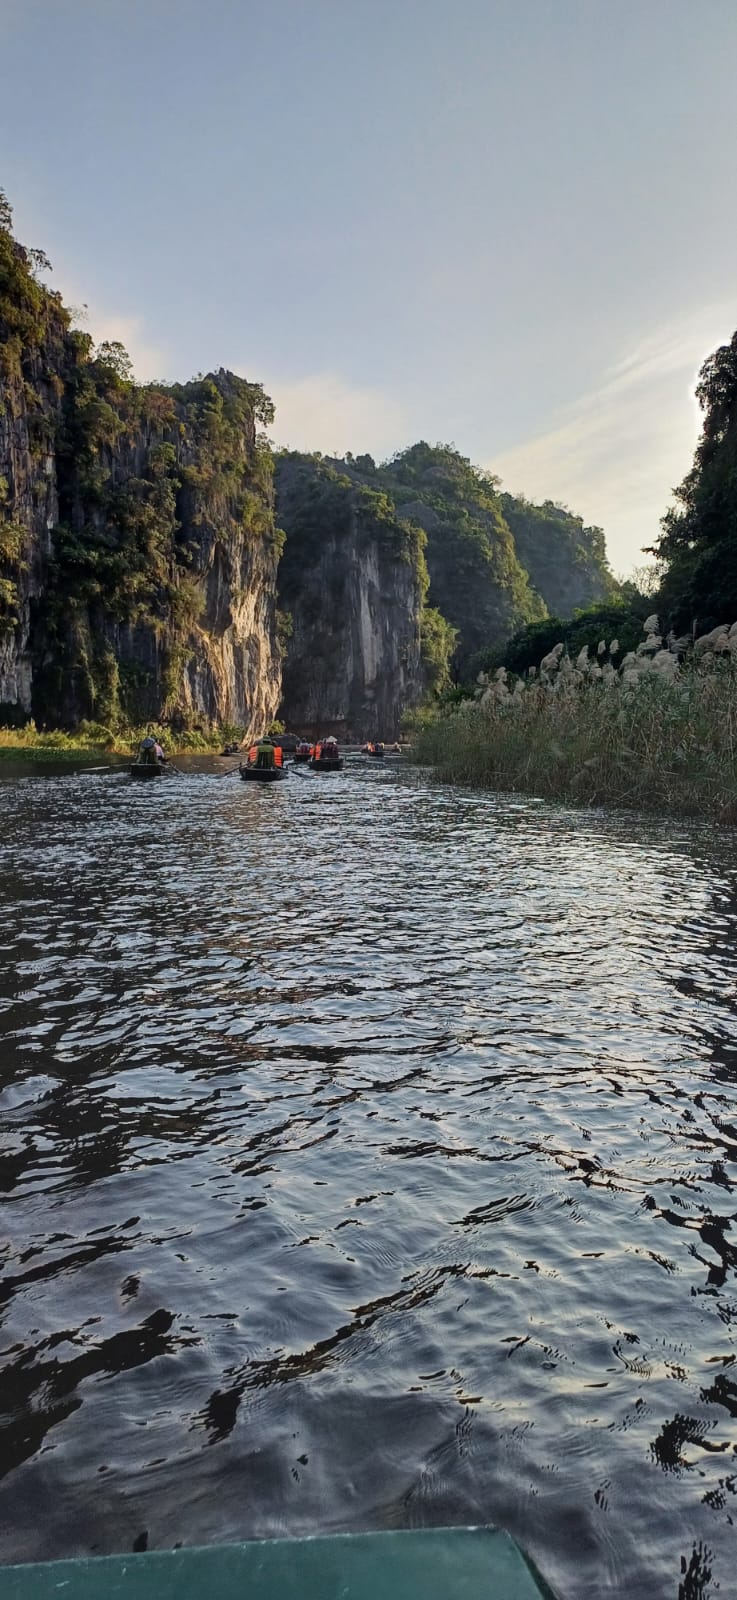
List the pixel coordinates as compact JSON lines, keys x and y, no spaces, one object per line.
{"x":369,"y":1160}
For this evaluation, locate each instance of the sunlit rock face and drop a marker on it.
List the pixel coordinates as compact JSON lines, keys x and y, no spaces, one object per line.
{"x":138,"y":554}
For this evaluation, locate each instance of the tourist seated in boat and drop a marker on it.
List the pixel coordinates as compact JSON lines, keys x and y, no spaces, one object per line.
{"x":330,"y":747}
{"x":150,"y":753}
{"x":304,"y":748}
{"x":265,"y":753}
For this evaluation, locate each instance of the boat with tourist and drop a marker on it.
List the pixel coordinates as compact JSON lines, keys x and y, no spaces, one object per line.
{"x":326,"y":756}
{"x":265,"y":763}
{"x":150,"y":762}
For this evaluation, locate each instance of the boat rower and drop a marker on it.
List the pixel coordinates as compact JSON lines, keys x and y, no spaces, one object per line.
{"x":150,"y":753}
{"x":265,"y":753}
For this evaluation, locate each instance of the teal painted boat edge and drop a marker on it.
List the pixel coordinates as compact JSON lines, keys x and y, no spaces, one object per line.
{"x":416,"y":1564}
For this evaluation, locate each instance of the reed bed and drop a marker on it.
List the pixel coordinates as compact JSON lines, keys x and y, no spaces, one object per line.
{"x":657,"y":731}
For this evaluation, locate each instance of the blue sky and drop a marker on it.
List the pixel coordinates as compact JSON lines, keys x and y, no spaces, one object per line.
{"x":509,"y":224}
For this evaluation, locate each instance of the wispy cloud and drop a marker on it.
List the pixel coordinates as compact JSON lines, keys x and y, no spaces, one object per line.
{"x":149,"y":359}
{"x":325,"y":412}
{"x":616,"y":453}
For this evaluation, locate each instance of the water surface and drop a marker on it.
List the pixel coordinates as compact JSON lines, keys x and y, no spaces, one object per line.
{"x":369,"y":1152}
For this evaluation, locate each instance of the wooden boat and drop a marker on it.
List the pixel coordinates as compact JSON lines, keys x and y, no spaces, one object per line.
{"x":323,"y":758}
{"x":145,"y":769}
{"x":302,"y":756}
{"x":230,"y":749}
{"x":262,"y":774}
{"x":326,"y":763}
{"x":419,"y":1564}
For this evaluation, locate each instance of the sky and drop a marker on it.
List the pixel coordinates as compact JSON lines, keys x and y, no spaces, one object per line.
{"x":509,"y":225}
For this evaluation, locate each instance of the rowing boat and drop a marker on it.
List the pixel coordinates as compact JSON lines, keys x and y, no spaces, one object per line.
{"x":145,"y":769}
{"x":326,"y":763}
{"x":262,"y":774}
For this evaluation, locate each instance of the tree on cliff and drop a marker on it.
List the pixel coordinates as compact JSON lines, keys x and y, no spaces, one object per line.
{"x":698,"y":545}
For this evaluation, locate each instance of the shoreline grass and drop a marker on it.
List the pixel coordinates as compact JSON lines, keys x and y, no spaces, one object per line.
{"x":650,"y":741}
{"x":30,"y":743}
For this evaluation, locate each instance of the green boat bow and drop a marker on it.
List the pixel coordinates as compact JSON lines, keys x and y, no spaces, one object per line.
{"x":427,"y":1564}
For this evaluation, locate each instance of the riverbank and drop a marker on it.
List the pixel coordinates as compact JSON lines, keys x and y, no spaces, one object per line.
{"x":33,"y":744}
{"x":658,"y":741}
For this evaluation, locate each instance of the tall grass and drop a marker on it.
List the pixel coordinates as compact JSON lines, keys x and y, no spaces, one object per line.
{"x":662,"y":740}
{"x":33,"y":743}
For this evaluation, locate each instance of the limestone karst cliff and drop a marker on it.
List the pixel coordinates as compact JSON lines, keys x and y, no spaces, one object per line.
{"x":138,"y":550}
{"x":142,"y":556}
{"x":352,"y":580}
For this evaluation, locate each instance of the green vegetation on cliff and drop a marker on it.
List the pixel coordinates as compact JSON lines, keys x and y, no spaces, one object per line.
{"x":138,"y":550}
{"x":495,"y":562}
{"x":476,"y":580}
{"x":566,"y":562}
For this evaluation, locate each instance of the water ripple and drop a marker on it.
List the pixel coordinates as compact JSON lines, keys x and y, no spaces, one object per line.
{"x":368,"y":1160}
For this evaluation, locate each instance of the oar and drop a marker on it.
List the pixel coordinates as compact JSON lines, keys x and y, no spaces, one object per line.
{"x":230,"y":771}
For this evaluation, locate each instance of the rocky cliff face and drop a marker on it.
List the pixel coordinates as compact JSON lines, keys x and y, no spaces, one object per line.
{"x":138,"y":552}
{"x":352,"y":579}
{"x":496,"y":562}
{"x":476,"y":578}
{"x":566,"y":562}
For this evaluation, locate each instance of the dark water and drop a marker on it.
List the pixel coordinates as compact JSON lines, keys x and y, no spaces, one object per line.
{"x":369,"y":1161}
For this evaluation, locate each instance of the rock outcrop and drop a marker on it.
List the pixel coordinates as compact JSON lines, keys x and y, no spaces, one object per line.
{"x":566,"y":561}
{"x":352,"y":580}
{"x":138,"y":552}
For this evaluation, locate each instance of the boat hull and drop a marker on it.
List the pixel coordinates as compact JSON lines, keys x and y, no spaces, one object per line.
{"x":332,"y":765}
{"x":263,"y":774}
{"x":419,"y":1564}
{"x":301,"y":756}
{"x":144,"y":770}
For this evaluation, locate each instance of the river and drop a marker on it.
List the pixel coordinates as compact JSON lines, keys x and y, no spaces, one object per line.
{"x":369,"y":1155}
